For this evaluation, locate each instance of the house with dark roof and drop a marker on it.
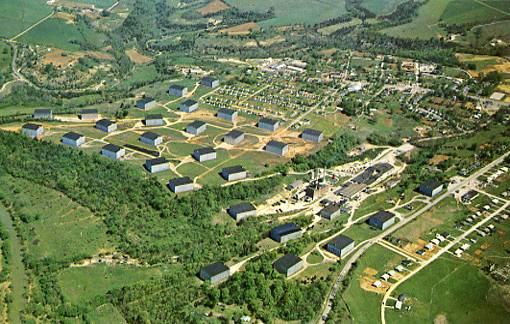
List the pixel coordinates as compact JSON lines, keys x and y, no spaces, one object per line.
{"x":288,"y":264}
{"x":177,"y":90}
{"x":178,"y":185}
{"x":242,"y":211}
{"x":210,"y":82}
{"x":106,"y":125}
{"x":157,"y":165}
{"x":340,"y":245}
{"x":89,"y":114}
{"x":227,"y":114}
{"x":73,"y":139}
{"x":204,"y":154}
{"x":430,"y":187}
{"x":268,"y":124}
{"x":32,"y":130}
{"x":42,"y":113}
{"x":188,"y":106}
{"x":285,"y":232}
{"x":215,"y":273}
{"x":146,"y":103}
{"x":154,"y":120}
{"x":331,"y":212}
{"x":469,"y":196}
{"x":234,"y":173}
{"x":312,"y":135}
{"x":197,"y":127}
{"x":234,"y":137}
{"x":113,"y":151}
{"x":382,"y":219}
{"x":277,"y":148}
{"x":151,"y":138}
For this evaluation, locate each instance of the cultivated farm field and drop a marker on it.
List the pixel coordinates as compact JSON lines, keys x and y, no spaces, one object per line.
{"x":16,"y":16}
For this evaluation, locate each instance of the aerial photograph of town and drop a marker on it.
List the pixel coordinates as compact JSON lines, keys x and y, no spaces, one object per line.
{"x":255,"y":161}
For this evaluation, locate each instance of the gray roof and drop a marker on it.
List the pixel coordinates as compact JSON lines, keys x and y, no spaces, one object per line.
{"x":268,"y":121}
{"x":196,"y":124}
{"x":312,"y":132}
{"x":31,"y":126}
{"x":209,"y":79}
{"x":204,"y":150}
{"x":145,"y":100}
{"x":88,"y":111}
{"x":215,"y":268}
{"x":234,"y":133}
{"x":382,"y":216}
{"x":341,"y":241}
{"x":431,"y":184}
{"x":189,"y":103}
{"x":242,"y":208}
{"x":150,"y":135}
{"x":72,"y":136}
{"x":180,"y":181}
{"x":112,"y":148}
{"x":104,"y":122}
{"x":153,"y":117}
{"x":330,"y":209}
{"x":287,"y":261}
{"x":227,"y":111}
{"x":277,"y":144}
{"x":42,"y":111}
{"x":233,"y":169}
{"x":156,"y":161}
{"x":285,"y":229}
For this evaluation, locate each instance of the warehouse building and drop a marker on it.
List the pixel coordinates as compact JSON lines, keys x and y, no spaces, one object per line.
{"x":228,"y":114}
{"x":312,"y":135}
{"x":113,"y":151}
{"x":331,"y":212}
{"x":177,"y":90}
{"x":157,"y":165}
{"x":188,"y":106}
{"x":106,"y":125}
{"x":42,"y":113}
{"x":89,"y":114}
{"x":154,"y":120}
{"x":268,"y":124}
{"x":146,"y":103}
{"x":340,"y":245}
{"x":242,"y":211}
{"x":204,"y":154}
{"x":234,"y":137}
{"x":215,"y":273}
{"x":197,"y":127}
{"x":210,"y":82}
{"x":285,"y":232}
{"x":32,"y":130}
{"x":73,"y":139}
{"x":431,"y":188}
{"x":288,"y":264}
{"x":234,"y":173}
{"x":382,"y":219}
{"x":151,"y":138}
{"x":178,"y":185}
{"x":277,"y":148}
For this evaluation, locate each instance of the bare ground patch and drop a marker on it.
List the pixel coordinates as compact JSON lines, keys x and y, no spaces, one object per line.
{"x":137,"y":57}
{"x":243,"y":29}
{"x":213,"y":7}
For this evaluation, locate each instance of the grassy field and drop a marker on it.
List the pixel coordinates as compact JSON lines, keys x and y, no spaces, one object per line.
{"x":16,"y":16}
{"x":381,"y":7}
{"x":97,"y":3}
{"x":470,"y":11}
{"x":82,"y":284}
{"x":56,"y":33}
{"x":106,"y":313}
{"x":434,"y":295}
{"x":364,"y":305}
{"x":424,"y":25}
{"x":294,"y":11}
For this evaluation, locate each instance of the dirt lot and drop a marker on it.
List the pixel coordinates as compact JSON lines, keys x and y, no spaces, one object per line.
{"x":213,"y":7}
{"x":438,"y":158}
{"x":368,"y":279}
{"x":243,"y":29}
{"x":137,"y":57}
{"x":67,"y":17}
{"x":59,"y":58}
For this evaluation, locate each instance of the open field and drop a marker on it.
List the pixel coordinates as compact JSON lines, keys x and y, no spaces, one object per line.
{"x":471,"y":11}
{"x":293,"y":11}
{"x":16,"y":16}
{"x":243,"y":29}
{"x":439,"y":293}
{"x":5,"y":63}
{"x":137,"y":57}
{"x":381,"y":7}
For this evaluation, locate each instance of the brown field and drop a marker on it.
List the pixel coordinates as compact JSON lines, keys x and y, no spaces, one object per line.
{"x":67,"y":17}
{"x":273,"y":40}
{"x":502,"y":65}
{"x":99,"y":55}
{"x":438,"y":158}
{"x":72,"y":4}
{"x":59,"y":58}
{"x":137,"y":57}
{"x":243,"y":29}
{"x":213,"y":7}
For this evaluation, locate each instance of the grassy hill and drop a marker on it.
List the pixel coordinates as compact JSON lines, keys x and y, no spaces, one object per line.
{"x":15,"y":16}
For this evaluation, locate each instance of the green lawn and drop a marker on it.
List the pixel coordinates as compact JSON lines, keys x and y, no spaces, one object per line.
{"x":17,"y":15}
{"x":454,"y":289}
{"x":82,"y":284}
{"x":294,"y":11}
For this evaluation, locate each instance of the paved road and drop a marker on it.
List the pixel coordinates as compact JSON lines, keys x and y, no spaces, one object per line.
{"x":366,"y":244}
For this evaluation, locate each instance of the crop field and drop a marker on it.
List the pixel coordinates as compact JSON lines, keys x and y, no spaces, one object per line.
{"x":96,"y":3}
{"x":433,"y":294}
{"x":471,"y":11}
{"x":56,"y":33}
{"x":293,"y":11}
{"x":16,"y":16}
{"x":381,"y":7}
{"x":213,"y":7}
